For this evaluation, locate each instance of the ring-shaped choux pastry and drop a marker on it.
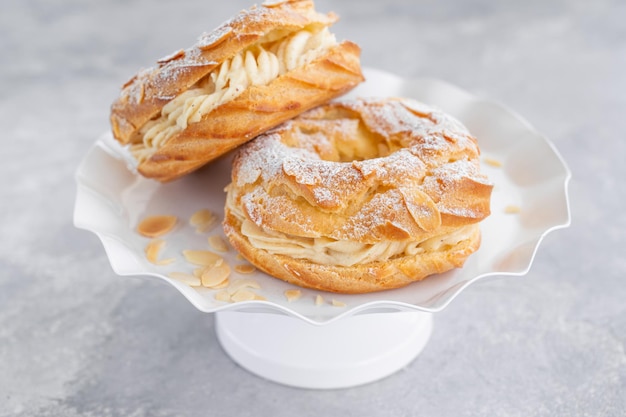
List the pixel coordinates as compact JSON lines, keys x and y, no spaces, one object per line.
{"x":358,"y":196}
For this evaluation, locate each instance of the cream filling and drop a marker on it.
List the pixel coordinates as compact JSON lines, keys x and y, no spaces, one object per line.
{"x":253,"y":66}
{"x":327,"y":251}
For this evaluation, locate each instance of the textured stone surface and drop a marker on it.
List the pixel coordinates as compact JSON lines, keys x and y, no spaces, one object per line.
{"x":77,"y":340}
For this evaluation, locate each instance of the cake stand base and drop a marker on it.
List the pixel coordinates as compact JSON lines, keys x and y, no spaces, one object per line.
{"x":350,"y":351}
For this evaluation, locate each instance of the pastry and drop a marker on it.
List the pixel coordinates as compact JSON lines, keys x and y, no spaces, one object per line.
{"x":358,"y":196}
{"x":264,"y":66}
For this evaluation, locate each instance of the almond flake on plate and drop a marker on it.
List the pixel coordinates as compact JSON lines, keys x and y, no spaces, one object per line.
{"x":243,"y":294}
{"x":155,"y":226}
{"x":152,"y":251}
{"x":319,"y":300}
{"x":215,"y":276}
{"x":239,"y":290}
{"x":243,"y":283}
{"x":203,"y":220}
{"x":185,"y":278}
{"x":337,"y":303}
{"x":492,"y":162}
{"x":222,"y":296}
{"x":512,"y":209}
{"x":202,"y":257}
{"x":293,"y":295}
{"x":216,"y":242}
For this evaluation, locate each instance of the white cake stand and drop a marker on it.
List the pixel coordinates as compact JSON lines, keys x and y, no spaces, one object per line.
{"x":348,"y":352}
{"x":358,"y":338}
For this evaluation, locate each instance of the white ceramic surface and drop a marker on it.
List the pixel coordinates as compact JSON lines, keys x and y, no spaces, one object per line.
{"x":353,"y":351}
{"x":111,"y":199}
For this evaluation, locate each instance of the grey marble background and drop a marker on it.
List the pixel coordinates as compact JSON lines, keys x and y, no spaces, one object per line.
{"x":77,"y":340}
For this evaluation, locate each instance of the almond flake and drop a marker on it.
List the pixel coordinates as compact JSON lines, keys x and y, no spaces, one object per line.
{"x":243,"y":283}
{"x":155,"y":226}
{"x":319,"y":300}
{"x":185,"y":278}
{"x":274,"y":3}
{"x":223,"y":284}
{"x":493,"y":162}
{"x":337,"y":303}
{"x":217,"y":243}
{"x":141,"y":94}
{"x":512,"y":209}
{"x":176,"y":55}
{"x":153,"y":249}
{"x":202,"y":257}
{"x":245,"y":268}
{"x":293,"y":295}
{"x":203,"y":220}
{"x":243,"y":295}
{"x":222,"y":296}
{"x":214,"y":276}
{"x":212,"y":39}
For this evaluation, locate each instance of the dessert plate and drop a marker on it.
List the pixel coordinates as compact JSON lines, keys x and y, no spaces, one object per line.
{"x":529,"y":200}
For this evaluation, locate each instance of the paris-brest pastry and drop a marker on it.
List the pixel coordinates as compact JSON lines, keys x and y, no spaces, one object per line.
{"x":358,"y":196}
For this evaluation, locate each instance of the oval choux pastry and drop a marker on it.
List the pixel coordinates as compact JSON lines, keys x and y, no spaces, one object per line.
{"x":255,"y":71}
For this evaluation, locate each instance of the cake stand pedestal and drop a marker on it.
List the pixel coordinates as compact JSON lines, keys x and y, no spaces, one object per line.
{"x":347,"y":352}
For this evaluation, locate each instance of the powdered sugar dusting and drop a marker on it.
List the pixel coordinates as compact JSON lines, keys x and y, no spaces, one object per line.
{"x":211,"y":39}
{"x":393,"y":119}
{"x":394,"y":196}
{"x":251,"y":17}
{"x":459,"y":186}
{"x":458,"y":170}
{"x":289,"y":212}
{"x":261,"y":158}
{"x":323,"y":178}
{"x":400,"y":164}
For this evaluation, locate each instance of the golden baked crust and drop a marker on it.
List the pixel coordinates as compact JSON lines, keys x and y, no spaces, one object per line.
{"x":358,"y":196}
{"x":254,"y":110}
{"x":356,"y":279}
